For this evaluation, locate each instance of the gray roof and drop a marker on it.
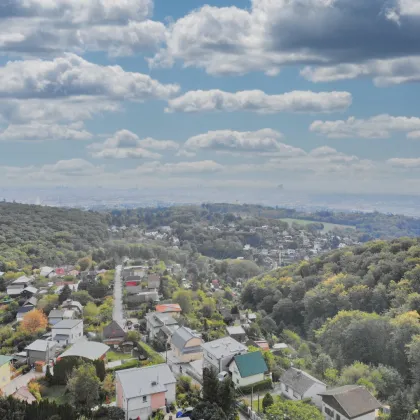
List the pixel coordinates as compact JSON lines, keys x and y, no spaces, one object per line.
{"x":354,"y":400}
{"x":88,"y":349}
{"x":181,"y":337}
{"x":70,"y":303}
{"x":67,"y":323}
{"x":31,"y":301}
{"x":224,"y":347}
{"x":56,"y":313}
{"x":157,"y":319}
{"x":40,"y":345}
{"x":235,"y":330}
{"x":22,"y":280}
{"x":25,"y":309}
{"x":31,"y":289}
{"x":145,"y":381}
{"x":298,"y":380}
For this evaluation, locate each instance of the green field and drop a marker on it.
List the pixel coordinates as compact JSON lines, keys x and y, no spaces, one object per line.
{"x":327,"y":226}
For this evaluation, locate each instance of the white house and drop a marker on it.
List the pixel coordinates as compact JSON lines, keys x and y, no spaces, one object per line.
{"x":296,"y":385}
{"x":155,"y":321}
{"x":142,"y":391}
{"x":349,"y":402}
{"x":218,"y":354}
{"x":248,"y":369}
{"x":67,"y":331}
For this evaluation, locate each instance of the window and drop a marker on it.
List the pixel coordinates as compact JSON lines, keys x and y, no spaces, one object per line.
{"x":329,"y":412}
{"x":337,"y":417}
{"x":237,"y":381}
{"x":144,"y":398}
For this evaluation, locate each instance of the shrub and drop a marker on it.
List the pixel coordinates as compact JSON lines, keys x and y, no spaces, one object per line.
{"x":127,"y":365}
{"x":259,"y":386}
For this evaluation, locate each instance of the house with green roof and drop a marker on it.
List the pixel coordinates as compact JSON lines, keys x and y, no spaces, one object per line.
{"x":248,"y":369}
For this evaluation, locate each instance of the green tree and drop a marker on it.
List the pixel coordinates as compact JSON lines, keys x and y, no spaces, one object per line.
{"x":184,"y":298}
{"x":91,"y":310}
{"x":267,"y":401}
{"x":100,"y":369}
{"x":206,"y":410}
{"x":64,"y":294}
{"x":83,"y":386}
{"x":210,"y":385}
{"x":226,"y":397}
{"x":294,"y":410}
{"x":82,"y":296}
{"x":322,"y":363}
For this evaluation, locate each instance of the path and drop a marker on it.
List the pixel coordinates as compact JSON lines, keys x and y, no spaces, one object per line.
{"x":20,"y":381}
{"x":118,"y":313}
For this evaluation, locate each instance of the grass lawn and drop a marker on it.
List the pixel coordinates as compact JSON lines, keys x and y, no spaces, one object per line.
{"x":111,"y":356}
{"x":55,"y":393}
{"x":327,"y":226}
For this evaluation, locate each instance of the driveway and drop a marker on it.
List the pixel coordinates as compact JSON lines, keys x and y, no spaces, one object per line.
{"x":118,"y":313}
{"x":20,"y":381}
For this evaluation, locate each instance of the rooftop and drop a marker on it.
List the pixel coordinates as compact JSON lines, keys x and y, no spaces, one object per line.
{"x":299,"y":380}
{"x":5,"y":359}
{"x":40,"y":345}
{"x":157,"y":319}
{"x":148,"y":380}
{"x":56,"y":313}
{"x":22,"y":280}
{"x":168,"y":307}
{"x":181,"y":337}
{"x":67,"y":323}
{"x":351,"y":400}
{"x":250,"y":364}
{"x":235,"y":330}
{"x":91,"y":350}
{"x":224,"y":347}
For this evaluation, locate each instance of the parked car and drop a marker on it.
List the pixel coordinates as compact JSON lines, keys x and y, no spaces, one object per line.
{"x":186,"y":412}
{"x":222,"y":375}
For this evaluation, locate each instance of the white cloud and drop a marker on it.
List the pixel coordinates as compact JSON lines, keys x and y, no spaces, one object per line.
{"x":126,"y":144}
{"x":179,"y":168}
{"x":380,"y":126}
{"x":40,"y":131}
{"x":260,"y":102}
{"x":414,"y":135}
{"x":71,"y":167}
{"x":407,"y":163}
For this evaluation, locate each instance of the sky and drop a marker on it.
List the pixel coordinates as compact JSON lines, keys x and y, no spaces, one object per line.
{"x":314,"y":95}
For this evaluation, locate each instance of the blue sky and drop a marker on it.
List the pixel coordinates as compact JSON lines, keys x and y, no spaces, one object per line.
{"x":318,"y":95}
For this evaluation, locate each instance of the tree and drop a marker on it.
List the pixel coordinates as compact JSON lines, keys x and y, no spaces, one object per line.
{"x":322,"y":363}
{"x":293,"y":410}
{"x":184,"y":298}
{"x":206,"y":410}
{"x":48,"y":303}
{"x":90,"y":310}
{"x":34,"y":322}
{"x":84,"y":263}
{"x":108,"y":385}
{"x":64,"y":368}
{"x":267,"y":401}
{"x":210,"y":385}
{"x":48,"y":375}
{"x":226,"y":397}
{"x":100,"y":369}
{"x":82,"y":296}
{"x":83,"y":386}
{"x":65,"y":294}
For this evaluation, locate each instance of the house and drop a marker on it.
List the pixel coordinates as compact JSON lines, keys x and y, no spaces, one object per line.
{"x":15,"y":289}
{"x":153,"y":281}
{"x":29,"y":291}
{"x":173,"y":309}
{"x":262,"y":344}
{"x":23,"y":394}
{"x":155,"y":321}
{"x":142,"y":391}
{"x":186,"y":345}
{"x":113,"y":333}
{"x":22,"y":311}
{"x":349,"y":402}
{"x":252,"y":317}
{"x":4,"y":371}
{"x":73,"y":304}
{"x":142,"y":296}
{"x":67,"y":331}
{"x":33,"y":301}
{"x":57,"y":315}
{"x":91,"y":350}
{"x":296,"y":384}
{"x":237,"y":332}
{"x":47,"y":272}
{"x":40,"y":351}
{"x":219,"y":353}
{"x":248,"y":369}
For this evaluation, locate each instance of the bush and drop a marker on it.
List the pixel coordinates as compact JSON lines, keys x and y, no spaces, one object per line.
{"x":126,"y":365}
{"x":259,"y":386}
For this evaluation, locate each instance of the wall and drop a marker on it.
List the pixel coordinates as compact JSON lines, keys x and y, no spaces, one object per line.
{"x":4,"y":375}
{"x":289,"y":393}
{"x":369,"y":416}
{"x":190,"y":357}
{"x":238,"y":381}
{"x":210,"y":361}
{"x":74,"y":334}
{"x":313,"y":392}
{"x":158,"y":400}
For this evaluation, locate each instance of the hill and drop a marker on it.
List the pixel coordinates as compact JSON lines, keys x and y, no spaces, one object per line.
{"x":36,"y":235}
{"x":358,"y":308}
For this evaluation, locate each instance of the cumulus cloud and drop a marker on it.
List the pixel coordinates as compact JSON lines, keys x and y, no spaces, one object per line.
{"x":179,"y":168}
{"x":54,"y":26}
{"x":273,"y":34}
{"x":71,"y":167}
{"x":126,"y":144}
{"x":260,"y":102}
{"x":380,"y":126}
{"x":40,"y":131}
{"x":265,"y":140}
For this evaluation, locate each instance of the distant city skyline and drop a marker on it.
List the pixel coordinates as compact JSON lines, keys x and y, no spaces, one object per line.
{"x":218,"y":97}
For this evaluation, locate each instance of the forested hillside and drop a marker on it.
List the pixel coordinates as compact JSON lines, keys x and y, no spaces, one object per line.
{"x":355,"y":305}
{"x":36,"y":235}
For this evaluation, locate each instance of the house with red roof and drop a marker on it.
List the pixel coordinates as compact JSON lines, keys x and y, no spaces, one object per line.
{"x":173,"y":309}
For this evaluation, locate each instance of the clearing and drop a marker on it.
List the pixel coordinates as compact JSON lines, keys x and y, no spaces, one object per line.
{"x":328,"y":227}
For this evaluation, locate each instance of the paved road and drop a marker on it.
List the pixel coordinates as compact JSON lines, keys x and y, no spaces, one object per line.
{"x":118,"y":313}
{"x":20,"y":381}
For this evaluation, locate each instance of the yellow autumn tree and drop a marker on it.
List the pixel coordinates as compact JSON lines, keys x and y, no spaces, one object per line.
{"x":34,"y":321}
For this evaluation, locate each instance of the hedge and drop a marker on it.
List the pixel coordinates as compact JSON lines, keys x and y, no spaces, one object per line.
{"x":259,"y":386}
{"x":127,"y":365}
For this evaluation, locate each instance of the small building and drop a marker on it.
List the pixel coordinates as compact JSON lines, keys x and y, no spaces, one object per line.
{"x":22,"y":311}
{"x":295,"y":384}
{"x":85,"y":349}
{"x":142,"y":296}
{"x":155,"y":321}
{"x":57,"y":315}
{"x":248,"y":369}
{"x":143,"y":391}
{"x":40,"y":351}
{"x":47,"y":272}
{"x":33,"y":301}
{"x":186,"y":345}
{"x":5,"y":375}
{"x":23,"y":394}
{"x":15,"y":289}
{"x":218,"y":354}
{"x":262,"y":344}
{"x":237,"y":332}
{"x":113,"y":333}
{"x":173,"y":309}
{"x":73,"y":304}
{"x":153,"y":281}
{"x":67,"y":331}
{"x":29,"y":291}
{"x":349,"y":402}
